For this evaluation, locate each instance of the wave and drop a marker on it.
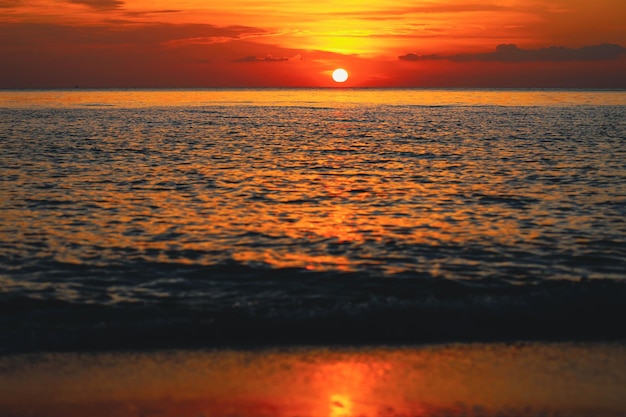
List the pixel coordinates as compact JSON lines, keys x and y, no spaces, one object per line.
{"x":190,"y":307}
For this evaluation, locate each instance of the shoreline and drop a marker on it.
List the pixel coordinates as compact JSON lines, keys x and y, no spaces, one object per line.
{"x":358,"y":312}
{"x":454,"y":379}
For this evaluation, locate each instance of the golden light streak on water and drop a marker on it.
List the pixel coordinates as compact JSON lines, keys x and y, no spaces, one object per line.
{"x":455,"y":380}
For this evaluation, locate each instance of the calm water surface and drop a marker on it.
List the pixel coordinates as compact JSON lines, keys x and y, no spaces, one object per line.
{"x":305,"y":205}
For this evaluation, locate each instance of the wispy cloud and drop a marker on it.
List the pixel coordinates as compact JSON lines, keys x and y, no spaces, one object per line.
{"x":151,"y":12}
{"x":99,"y":4}
{"x":401,"y":13}
{"x":157,"y":34}
{"x":457,"y":8}
{"x":268,"y":58}
{"x":7,"y":4}
{"x":511,"y":53}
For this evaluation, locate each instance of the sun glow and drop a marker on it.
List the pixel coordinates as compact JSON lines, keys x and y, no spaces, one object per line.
{"x":340,"y":75}
{"x":340,"y":406}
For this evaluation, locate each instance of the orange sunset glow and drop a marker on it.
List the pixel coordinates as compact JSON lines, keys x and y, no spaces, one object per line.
{"x":433,"y":381}
{"x":447,"y":43}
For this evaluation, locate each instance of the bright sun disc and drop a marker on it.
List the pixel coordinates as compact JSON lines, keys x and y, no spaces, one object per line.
{"x":340,"y":75}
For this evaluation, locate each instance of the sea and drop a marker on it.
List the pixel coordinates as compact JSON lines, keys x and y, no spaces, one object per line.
{"x":149,"y":219}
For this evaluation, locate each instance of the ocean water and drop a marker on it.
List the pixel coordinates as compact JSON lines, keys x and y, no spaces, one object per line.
{"x":186,"y":218}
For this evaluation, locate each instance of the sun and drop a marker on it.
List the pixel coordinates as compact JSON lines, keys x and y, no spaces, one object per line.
{"x":340,"y":75}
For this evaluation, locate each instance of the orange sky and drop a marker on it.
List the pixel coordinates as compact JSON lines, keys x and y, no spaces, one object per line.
{"x":245,"y":43}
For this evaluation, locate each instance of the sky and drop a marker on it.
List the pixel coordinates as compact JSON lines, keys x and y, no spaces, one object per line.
{"x":279,"y":43}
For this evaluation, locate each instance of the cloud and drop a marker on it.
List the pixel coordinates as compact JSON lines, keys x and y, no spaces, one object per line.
{"x":268,"y":58}
{"x":151,"y":12}
{"x":99,"y":4}
{"x":402,"y":12}
{"x":120,"y":33}
{"x":511,"y":53}
{"x":457,"y":8}
{"x":7,"y":4}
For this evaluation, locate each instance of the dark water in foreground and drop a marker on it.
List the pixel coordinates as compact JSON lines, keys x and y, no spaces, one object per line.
{"x":201,"y":218}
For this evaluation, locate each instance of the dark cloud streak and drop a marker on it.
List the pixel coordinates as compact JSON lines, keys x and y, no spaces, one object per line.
{"x":99,"y":4}
{"x":40,"y":34}
{"x":151,"y":12}
{"x":511,"y":53}
{"x":401,"y":13}
{"x":268,"y":58}
{"x":8,"y":4}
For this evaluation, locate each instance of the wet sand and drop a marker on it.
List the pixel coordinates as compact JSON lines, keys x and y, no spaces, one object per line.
{"x":529,"y":379}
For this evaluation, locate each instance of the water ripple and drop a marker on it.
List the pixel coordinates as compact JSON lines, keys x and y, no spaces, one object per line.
{"x":462,"y":193}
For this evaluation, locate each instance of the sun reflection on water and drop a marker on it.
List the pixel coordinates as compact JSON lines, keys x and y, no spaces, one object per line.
{"x":351,"y":386}
{"x":372,"y":186}
{"x":340,"y":406}
{"x":456,"y":380}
